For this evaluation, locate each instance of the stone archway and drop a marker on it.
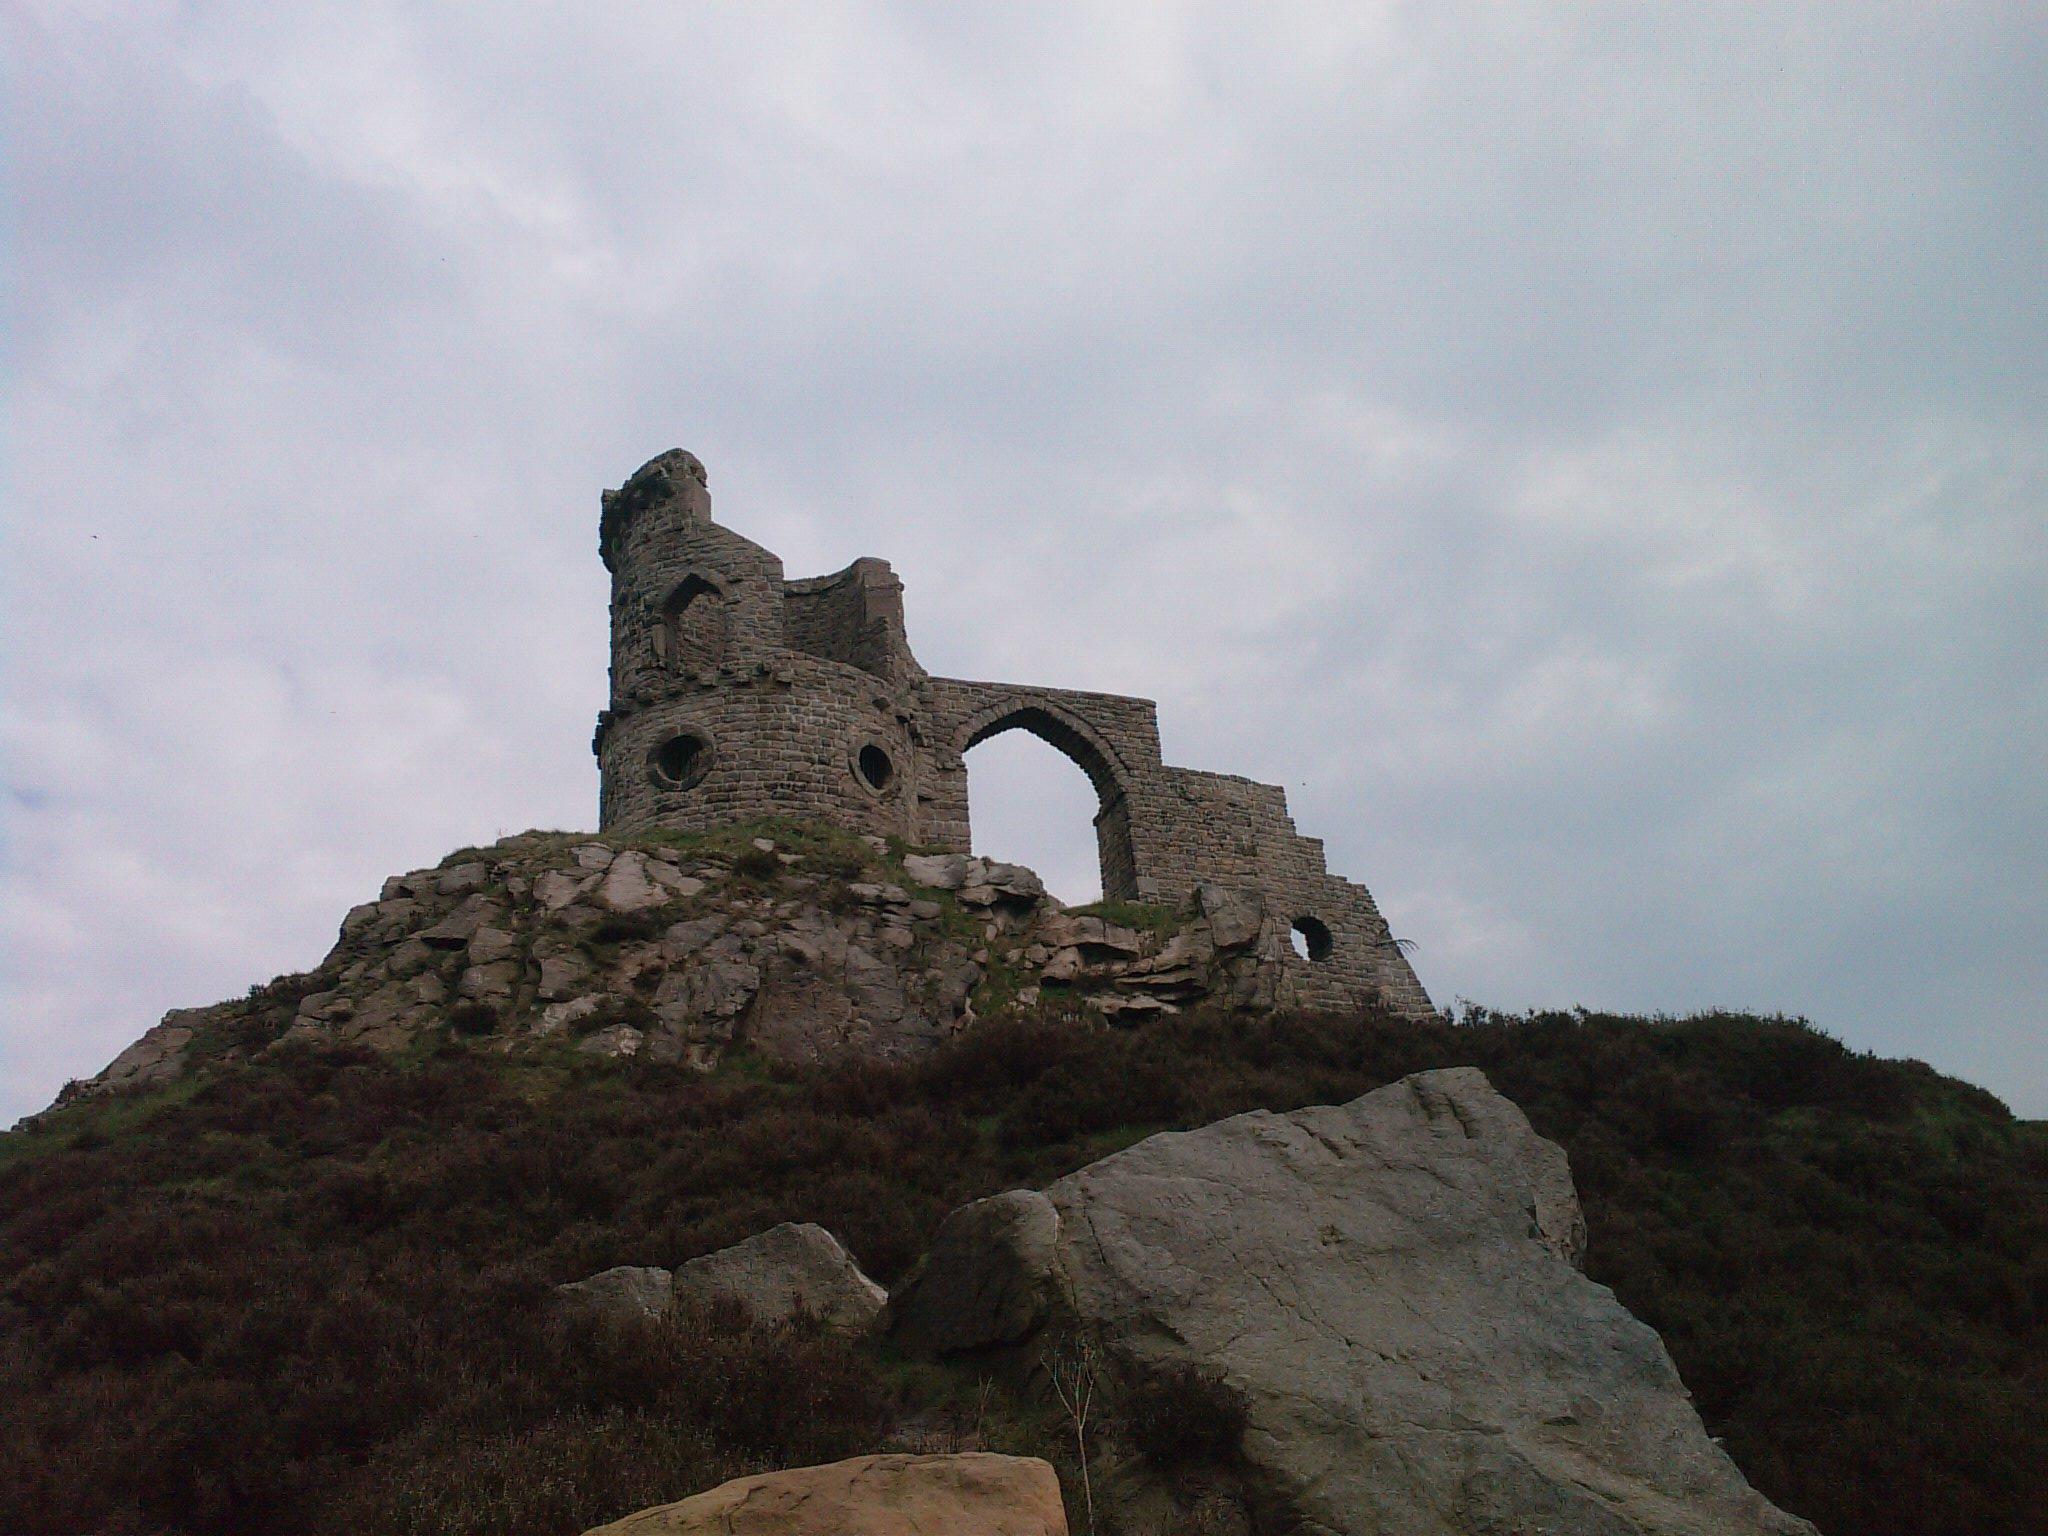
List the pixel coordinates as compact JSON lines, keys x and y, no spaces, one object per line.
{"x":1096,"y":758}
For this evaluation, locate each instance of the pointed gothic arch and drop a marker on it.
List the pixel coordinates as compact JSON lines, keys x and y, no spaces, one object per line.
{"x":1081,"y":745}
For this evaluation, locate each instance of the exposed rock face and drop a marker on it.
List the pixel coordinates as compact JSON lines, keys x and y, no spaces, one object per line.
{"x":677,"y":955}
{"x":1391,"y":1286}
{"x":159,"y":1055}
{"x":966,"y":1495}
{"x":627,"y":1291}
{"x":774,"y":1273}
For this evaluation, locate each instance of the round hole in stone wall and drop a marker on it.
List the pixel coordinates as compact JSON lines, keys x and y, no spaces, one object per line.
{"x":874,"y":767}
{"x":1312,"y":939}
{"x":681,"y":761}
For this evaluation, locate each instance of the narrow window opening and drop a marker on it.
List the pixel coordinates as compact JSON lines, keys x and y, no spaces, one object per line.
{"x":1311,"y":939}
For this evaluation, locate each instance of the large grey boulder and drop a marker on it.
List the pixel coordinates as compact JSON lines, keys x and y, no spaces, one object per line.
{"x":1391,"y":1287}
{"x":773,"y":1273}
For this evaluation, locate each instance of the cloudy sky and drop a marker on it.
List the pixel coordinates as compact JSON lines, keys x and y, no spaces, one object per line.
{"x":1591,"y":455}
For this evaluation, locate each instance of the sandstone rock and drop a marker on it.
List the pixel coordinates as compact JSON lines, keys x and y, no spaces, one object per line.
{"x":685,"y":939}
{"x":493,"y":983}
{"x":1065,"y":929}
{"x":1065,"y":965}
{"x":556,"y":888}
{"x":988,"y":883}
{"x":326,"y":1005}
{"x":455,"y":930}
{"x":1235,"y":917}
{"x":562,"y":975}
{"x":411,"y":954}
{"x":461,"y":879}
{"x":674,"y":880}
{"x":426,"y":990}
{"x":557,"y":1017}
{"x":712,"y":989}
{"x":624,"y":1291}
{"x":988,"y":1278}
{"x":487,"y":945}
{"x":1388,"y":1286}
{"x":360,"y":920}
{"x":796,"y":1264}
{"x":940,"y":871}
{"x":628,"y":887}
{"x":971,"y":1494}
{"x":592,"y":856}
{"x":1115,"y":1008}
{"x":617,"y":1040}
{"x":159,"y":1055}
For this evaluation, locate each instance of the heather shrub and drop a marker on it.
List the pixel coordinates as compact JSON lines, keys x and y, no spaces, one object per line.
{"x":310,"y":1289}
{"x":1183,"y":1415}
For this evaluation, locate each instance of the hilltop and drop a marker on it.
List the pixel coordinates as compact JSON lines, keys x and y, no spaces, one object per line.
{"x":287,"y":1265}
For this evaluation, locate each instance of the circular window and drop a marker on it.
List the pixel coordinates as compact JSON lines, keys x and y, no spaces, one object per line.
{"x":1312,"y":939}
{"x":680,"y":762}
{"x":874,"y":767}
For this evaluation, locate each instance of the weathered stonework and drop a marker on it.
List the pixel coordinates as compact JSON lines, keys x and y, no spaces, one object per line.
{"x":737,"y":694}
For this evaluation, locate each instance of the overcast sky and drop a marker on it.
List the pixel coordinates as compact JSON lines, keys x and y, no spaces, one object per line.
{"x":1592,"y":456}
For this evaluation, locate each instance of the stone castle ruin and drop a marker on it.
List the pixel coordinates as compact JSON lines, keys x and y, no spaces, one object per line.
{"x":738,"y":694}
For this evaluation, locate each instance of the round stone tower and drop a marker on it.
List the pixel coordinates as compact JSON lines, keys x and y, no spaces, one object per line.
{"x":737,"y":694}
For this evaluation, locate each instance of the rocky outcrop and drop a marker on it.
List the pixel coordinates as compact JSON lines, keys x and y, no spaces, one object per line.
{"x":972,"y":1494}
{"x":827,"y":947}
{"x":1390,"y":1287}
{"x":624,"y":1292}
{"x":791,"y":1268}
{"x":797,"y":1266}
{"x":159,"y":1055}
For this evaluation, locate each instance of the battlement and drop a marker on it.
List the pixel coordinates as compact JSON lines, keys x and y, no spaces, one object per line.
{"x":737,"y":694}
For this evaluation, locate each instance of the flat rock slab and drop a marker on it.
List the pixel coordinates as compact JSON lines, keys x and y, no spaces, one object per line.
{"x":973,"y":1494}
{"x":798,"y":1265}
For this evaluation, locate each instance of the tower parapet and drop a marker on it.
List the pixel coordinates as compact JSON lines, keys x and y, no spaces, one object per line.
{"x":738,"y":694}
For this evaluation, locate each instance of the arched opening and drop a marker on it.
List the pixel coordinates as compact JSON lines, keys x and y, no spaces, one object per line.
{"x":1030,"y":806}
{"x":1311,"y":938}
{"x":693,"y":625}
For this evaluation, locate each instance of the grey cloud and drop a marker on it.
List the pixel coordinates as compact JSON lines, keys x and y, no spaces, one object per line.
{"x":1592,"y":458}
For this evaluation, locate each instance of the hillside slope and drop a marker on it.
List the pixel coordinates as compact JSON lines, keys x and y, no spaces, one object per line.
{"x":302,"y":1288}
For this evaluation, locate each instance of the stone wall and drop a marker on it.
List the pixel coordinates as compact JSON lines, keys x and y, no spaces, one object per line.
{"x":737,"y":694}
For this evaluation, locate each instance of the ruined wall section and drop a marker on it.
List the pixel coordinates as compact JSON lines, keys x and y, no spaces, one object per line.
{"x":1196,"y":827}
{"x":854,"y":616}
{"x":1112,"y":738}
{"x":1163,"y":831}
{"x":739,"y":695}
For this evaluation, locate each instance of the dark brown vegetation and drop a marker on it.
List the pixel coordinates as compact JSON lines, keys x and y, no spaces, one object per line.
{"x":307,"y":1295}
